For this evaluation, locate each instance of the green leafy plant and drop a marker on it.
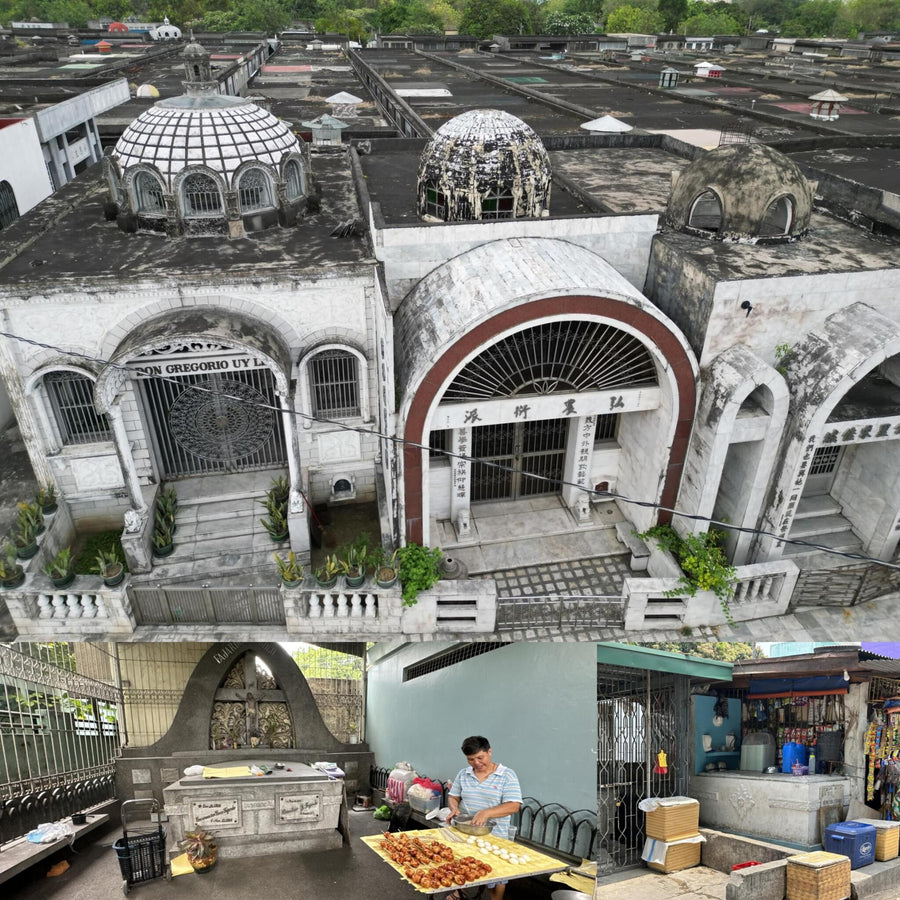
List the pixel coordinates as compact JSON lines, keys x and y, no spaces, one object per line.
{"x":107,"y":563}
{"x":289,"y":568}
{"x":101,"y":542}
{"x":281,"y":488}
{"x":419,"y":570}
{"x":781,"y":351}
{"x":276,"y":518}
{"x":703,"y":563}
{"x":61,"y":564}
{"x":10,"y":570}
{"x":200,"y":847}
{"x":167,"y":506}
{"x":162,"y":535}
{"x":45,"y":497}
{"x":329,"y":569}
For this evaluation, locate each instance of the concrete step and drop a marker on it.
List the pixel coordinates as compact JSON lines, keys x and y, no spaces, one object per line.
{"x":222,"y":545}
{"x":845,"y":541}
{"x":236,"y":524}
{"x":819,"y":505}
{"x":818,"y":525}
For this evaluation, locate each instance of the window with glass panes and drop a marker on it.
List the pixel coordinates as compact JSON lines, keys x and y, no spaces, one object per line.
{"x":334,"y":380}
{"x":435,"y":202}
{"x":497,"y":205}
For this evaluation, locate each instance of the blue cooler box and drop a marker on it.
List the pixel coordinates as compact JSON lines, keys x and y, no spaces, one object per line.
{"x":853,"y":839}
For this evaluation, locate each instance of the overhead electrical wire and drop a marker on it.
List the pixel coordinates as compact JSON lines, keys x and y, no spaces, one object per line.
{"x":610,"y":495}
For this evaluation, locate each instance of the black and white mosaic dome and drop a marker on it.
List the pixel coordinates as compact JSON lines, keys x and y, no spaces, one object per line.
{"x":484,"y":164}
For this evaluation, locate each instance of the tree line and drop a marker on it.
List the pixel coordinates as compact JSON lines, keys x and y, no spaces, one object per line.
{"x":360,"y":19}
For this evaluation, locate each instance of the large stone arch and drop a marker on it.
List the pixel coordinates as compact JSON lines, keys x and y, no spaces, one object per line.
{"x":507,"y":285}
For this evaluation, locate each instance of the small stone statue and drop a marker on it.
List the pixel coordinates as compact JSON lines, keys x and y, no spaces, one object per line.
{"x":133,"y":521}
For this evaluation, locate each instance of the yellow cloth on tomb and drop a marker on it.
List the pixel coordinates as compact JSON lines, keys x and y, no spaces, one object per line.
{"x":226,"y":772}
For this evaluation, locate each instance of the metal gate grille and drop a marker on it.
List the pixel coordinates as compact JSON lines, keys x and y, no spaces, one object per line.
{"x":639,"y":713}
{"x":538,"y":448}
{"x":231,"y":425}
{"x":824,"y":460}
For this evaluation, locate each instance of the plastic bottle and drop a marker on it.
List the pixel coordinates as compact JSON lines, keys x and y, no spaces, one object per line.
{"x":812,"y":762}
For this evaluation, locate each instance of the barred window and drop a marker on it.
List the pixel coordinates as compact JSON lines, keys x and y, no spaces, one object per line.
{"x":497,"y":205}
{"x":435,"y":201}
{"x":254,"y":191}
{"x":335,"y":384}
{"x":606,"y":429}
{"x":201,"y":196}
{"x":148,"y":194}
{"x":293,"y":177}
{"x":9,"y":209}
{"x":72,"y":401}
{"x":439,"y":441}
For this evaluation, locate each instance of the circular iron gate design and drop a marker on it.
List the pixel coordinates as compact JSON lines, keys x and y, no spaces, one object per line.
{"x":221,"y":419}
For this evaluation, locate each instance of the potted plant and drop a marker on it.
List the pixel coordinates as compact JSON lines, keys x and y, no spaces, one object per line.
{"x":280,"y":489}
{"x":46,"y":499}
{"x":290,"y":570}
{"x":163,"y":543}
{"x":25,"y":538}
{"x":201,"y":849}
{"x":31,"y":513}
{"x":275,"y":521}
{"x":11,"y":573}
{"x":109,"y":567}
{"x":60,"y":568}
{"x":353,"y":737}
{"x":419,"y":570}
{"x":353,"y":566}
{"x":385,"y":569}
{"x":167,"y":507}
{"x":327,"y":573}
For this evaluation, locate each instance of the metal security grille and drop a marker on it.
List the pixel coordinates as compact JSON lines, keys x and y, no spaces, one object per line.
{"x":521,"y":450}
{"x":449,"y":658}
{"x":824,"y":460}
{"x":58,"y":737}
{"x":438,"y":442}
{"x":639,"y":713}
{"x":293,"y":178}
{"x":9,"y":209}
{"x":607,"y":428}
{"x":72,"y":401}
{"x":206,"y":605}
{"x":556,"y":357}
{"x":231,"y":425}
{"x":149,"y":194}
{"x":335,"y":384}
{"x":254,"y":191}
{"x":201,"y":196}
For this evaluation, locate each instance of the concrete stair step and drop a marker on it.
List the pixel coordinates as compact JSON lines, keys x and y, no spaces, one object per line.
{"x":818,"y":525}
{"x":845,"y":541}
{"x":819,"y":505}
{"x":221,"y":545}
{"x":208,"y":529}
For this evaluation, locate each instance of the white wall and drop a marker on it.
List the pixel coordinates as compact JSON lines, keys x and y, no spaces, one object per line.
{"x":22,"y":164}
{"x":535,"y":702}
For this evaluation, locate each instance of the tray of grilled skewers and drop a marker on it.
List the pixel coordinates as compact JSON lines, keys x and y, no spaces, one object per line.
{"x":431,"y":865}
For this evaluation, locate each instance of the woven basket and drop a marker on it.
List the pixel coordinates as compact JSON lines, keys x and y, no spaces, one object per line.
{"x":818,"y":876}
{"x":678,"y":856}
{"x":669,"y":823}
{"x":887,"y":839}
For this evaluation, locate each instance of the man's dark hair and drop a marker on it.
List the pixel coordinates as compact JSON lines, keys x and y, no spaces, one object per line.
{"x":475,"y":744}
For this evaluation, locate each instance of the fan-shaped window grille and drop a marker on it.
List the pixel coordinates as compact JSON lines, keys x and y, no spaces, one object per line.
{"x":706,"y":212}
{"x":293,"y":177}
{"x":335,"y":384}
{"x":435,"y":201}
{"x":779,"y":218}
{"x":148,"y":194}
{"x":556,"y":357}
{"x":497,"y":205}
{"x":254,"y":191}
{"x":72,"y":401}
{"x":201,"y":196}
{"x":9,"y":209}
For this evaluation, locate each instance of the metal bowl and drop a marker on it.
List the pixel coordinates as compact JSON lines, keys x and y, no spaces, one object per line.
{"x":466,"y":827}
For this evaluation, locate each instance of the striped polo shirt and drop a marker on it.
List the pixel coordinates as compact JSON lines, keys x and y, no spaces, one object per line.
{"x":501,"y":786}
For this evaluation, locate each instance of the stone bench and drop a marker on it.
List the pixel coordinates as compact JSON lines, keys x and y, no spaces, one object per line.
{"x":640,"y":552}
{"x":20,"y":854}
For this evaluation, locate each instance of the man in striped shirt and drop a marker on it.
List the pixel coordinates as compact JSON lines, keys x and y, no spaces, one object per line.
{"x":485,"y":790}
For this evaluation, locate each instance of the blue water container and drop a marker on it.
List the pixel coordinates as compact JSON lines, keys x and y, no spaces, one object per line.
{"x":791,"y":753}
{"x":853,"y":839}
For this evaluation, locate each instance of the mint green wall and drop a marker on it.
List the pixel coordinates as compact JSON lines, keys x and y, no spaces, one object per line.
{"x":535,"y":702}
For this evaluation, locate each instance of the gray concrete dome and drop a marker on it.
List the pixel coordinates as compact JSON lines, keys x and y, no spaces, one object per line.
{"x":483,"y":164}
{"x":741,"y":192}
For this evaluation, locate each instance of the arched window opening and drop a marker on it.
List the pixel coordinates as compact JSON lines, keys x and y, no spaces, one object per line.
{"x":779,"y":218}
{"x":201,"y":196}
{"x":9,"y":209}
{"x":497,"y":205}
{"x":148,"y":194}
{"x":435,"y":201}
{"x":334,"y":384}
{"x":706,"y":212}
{"x":254,"y":191}
{"x":72,"y":401}
{"x":293,"y":178}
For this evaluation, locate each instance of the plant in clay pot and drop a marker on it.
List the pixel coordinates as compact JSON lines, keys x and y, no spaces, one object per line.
{"x":11,"y":573}
{"x":327,"y":573}
{"x":109,"y":567}
{"x":60,"y":568}
{"x":276,"y":518}
{"x":46,"y":499}
{"x":290,"y":569}
{"x":201,"y":849}
{"x":385,"y":568}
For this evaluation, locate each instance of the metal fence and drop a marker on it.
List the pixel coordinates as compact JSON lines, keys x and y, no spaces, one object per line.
{"x":844,"y":586}
{"x":59,"y":736}
{"x":567,"y":612}
{"x":206,"y":605}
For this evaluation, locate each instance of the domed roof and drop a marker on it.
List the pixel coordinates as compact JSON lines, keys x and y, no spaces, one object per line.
{"x":214,"y":130}
{"x":741,"y":192}
{"x":196,"y":50}
{"x":479,"y":155}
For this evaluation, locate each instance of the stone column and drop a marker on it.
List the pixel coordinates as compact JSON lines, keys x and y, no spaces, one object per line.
{"x":298,"y":522}
{"x":577,"y":471}
{"x":461,"y":483}
{"x":126,"y":461}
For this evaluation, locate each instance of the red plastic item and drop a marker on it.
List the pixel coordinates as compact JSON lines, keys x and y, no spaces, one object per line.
{"x":745,"y":865}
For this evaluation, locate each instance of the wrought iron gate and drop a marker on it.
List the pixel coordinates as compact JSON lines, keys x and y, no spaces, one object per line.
{"x":639,"y":713}
{"x":518,"y":447}
{"x":208,"y":423}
